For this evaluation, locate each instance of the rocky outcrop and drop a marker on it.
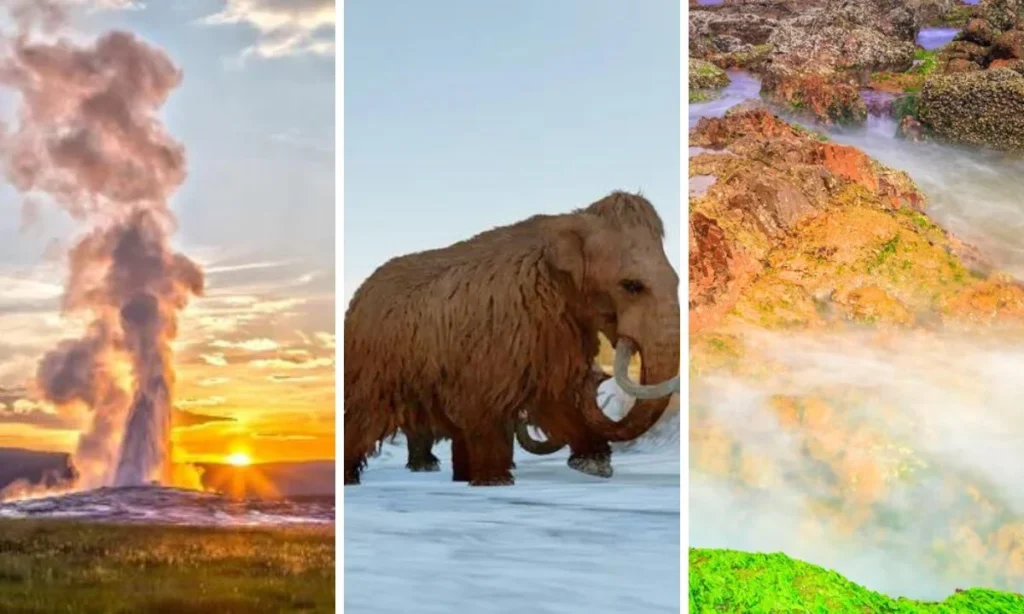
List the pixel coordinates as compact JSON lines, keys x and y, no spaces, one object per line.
{"x":796,"y":231}
{"x":1002,"y":14}
{"x":706,"y":76}
{"x":981,"y":108}
{"x":818,"y":93}
{"x":705,"y":79}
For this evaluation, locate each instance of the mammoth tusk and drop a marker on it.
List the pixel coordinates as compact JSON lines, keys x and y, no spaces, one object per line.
{"x":623,"y":352}
{"x":533,"y":446}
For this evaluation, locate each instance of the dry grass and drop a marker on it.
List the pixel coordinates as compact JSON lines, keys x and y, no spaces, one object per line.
{"x":79,"y":568}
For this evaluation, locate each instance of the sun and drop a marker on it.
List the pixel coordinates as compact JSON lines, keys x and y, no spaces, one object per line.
{"x":239,"y":459}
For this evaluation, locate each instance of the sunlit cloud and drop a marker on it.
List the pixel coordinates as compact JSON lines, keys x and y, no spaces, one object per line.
{"x":278,"y":363}
{"x":213,"y":381}
{"x":249,"y":345}
{"x":186,"y":419}
{"x":284,"y":27}
{"x":284,"y":436}
{"x":292,"y":379}
{"x":24,"y":411}
{"x":203,"y":402}
{"x":214,"y":360}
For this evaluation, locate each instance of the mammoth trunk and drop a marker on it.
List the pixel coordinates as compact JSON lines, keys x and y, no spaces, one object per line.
{"x":89,"y":140}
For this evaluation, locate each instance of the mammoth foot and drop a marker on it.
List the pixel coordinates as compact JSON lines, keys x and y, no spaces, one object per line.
{"x":493,"y":481}
{"x":597,"y":465}
{"x":351,"y":479}
{"x":424,"y":466}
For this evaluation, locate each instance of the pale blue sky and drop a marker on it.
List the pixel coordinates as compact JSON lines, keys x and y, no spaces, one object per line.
{"x":463,"y":115}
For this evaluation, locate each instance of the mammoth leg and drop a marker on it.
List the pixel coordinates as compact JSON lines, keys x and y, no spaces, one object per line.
{"x":490,"y":456}
{"x":357,"y":448}
{"x":460,"y":458}
{"x":590,"y":453}
{"x":421,"y":458}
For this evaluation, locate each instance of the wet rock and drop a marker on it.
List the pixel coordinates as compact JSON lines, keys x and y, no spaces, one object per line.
{"x":705,"y":79}
{"x":705,"y":75}
{"x":984,"y":108}
{"x":1002,"y":14}
{"x":1009,"y":45}
{"x":979,"y":32}
{"x":820,"y":94}
{"x":750,"y":104}
{"x":960,"y":65}
{"x":840,"y":48}
{"x":805,"y":233}
{"x":966,"y":51}
{"x":910,"y":129}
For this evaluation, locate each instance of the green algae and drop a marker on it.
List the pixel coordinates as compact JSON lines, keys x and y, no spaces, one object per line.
{"x":758,"y":583}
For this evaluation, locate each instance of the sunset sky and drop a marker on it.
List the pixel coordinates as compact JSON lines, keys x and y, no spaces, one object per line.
{"x":255,"y":356}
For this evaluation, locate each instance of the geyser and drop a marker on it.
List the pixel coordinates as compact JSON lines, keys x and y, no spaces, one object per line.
{"x":87,"y":138}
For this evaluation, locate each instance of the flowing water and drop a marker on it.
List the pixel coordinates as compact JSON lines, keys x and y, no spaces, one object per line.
{"x":951,"y":401}
{"x":163,"y":505}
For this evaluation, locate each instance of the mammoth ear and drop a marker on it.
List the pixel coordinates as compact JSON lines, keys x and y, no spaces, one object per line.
{"x":565,"y":252}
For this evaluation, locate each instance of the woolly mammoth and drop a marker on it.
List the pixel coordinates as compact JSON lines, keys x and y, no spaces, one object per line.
{"x":457,"y":341}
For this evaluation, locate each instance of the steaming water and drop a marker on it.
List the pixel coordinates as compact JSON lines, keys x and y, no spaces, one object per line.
{"x":162,"y":505}
{"x":557,"y":541}
{"x":952,"y":404}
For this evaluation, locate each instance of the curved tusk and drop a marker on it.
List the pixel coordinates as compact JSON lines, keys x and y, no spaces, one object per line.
{"x":533,"y":446}
{"x":623,"y":353}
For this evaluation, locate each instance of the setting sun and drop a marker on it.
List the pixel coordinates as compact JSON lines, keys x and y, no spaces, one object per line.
{"x":239,"y":459}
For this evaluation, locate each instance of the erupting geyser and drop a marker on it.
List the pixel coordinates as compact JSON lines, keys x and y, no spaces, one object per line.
{"x":88,"y":138}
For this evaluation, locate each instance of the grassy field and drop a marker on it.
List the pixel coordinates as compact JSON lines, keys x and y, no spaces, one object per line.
{"x":77,"y":568}
{"x":731,"y":581}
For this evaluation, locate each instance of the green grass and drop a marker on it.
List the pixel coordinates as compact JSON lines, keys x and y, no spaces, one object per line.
{"x":79,"y":568}
{"x":928,"y":62}
{"x":751,"y":583}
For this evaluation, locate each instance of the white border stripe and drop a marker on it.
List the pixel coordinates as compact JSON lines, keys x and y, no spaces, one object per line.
{"x":684,"y":325}
{"x":339,"y":308}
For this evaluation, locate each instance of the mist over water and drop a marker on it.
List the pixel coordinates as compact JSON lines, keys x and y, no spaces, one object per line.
{"x":913,"y":423}
{"x":928,"y":428}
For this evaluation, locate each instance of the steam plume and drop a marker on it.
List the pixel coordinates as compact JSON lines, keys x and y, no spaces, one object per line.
{"x":87,"y":137}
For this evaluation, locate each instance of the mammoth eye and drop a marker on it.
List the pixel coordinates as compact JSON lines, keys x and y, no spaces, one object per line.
{"x":632,"y":286}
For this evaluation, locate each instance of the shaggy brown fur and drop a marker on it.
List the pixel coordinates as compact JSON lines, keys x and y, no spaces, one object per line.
{"x":455,"y":341}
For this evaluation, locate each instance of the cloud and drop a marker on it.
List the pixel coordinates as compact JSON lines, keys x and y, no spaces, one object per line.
{"x":214,"y":381}
{"x":203,"y":402}
{"x":23,"y":411}
{"x":284,"y":436}
{"x":247,"y":266}
{"x":278,"y":363}
{"x":285,"y":27}
{"x":249,"y":345}
{"x":291,"y":379}
{"x":215,"y":360}
{"x":183,"y":418}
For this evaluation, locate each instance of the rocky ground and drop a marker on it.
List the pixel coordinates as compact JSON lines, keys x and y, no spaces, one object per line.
{"x":816,"y":57}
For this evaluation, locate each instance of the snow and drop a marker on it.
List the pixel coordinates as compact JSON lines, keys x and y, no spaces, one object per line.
{"x":557,"y":542}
